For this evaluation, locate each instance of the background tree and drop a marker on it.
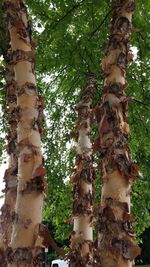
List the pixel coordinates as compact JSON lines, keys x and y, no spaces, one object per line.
{"x":10,"y":176}
{"x":81,"y":253}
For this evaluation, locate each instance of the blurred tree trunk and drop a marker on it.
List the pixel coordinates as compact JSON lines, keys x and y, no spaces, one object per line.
{"x":82,"y":178}
{"x":10,"y":177}
{"x":25,"y":248}
{"x":116,"y":243}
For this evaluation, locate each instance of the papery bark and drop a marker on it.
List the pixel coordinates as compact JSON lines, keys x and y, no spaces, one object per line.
{"x":82,"y":179}
{"x":25,"y":248}
{"x":10,"y":176}
{"x":116,"y":242}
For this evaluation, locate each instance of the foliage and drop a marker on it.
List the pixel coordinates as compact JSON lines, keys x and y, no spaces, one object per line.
{"x":144,"y":258}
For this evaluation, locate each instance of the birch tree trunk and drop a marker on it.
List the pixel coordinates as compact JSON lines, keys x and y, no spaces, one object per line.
{"x":115,"y":223}
{"x":82,"y":178}
{"x":26,"y":242}
{"x":10,"y":177}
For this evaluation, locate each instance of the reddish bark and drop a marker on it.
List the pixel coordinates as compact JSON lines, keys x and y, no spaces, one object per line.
{"x":10,"y":177}
{"x":116,"y":242}
{"x":23,"y":249}
{"x":82,"y":179}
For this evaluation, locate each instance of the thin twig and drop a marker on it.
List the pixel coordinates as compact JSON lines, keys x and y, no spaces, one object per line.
{"x":99,"y":26}
{"x":140,"y":102}
{"x":66,"y":15}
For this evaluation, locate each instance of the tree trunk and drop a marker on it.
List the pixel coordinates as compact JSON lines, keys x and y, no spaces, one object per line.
{"x":115,"y":223}
{"x":82,"y":178}
{"x":27,"y":241}
{"x":10,"y":176}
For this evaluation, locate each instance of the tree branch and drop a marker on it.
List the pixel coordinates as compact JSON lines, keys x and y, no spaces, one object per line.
{"x":66,"y":15}
{"x":140,"y":102}
{"x":141,"y":35}
{"x":99,"y":26}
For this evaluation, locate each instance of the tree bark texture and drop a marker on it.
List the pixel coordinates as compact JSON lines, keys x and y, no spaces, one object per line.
{"x":10,"y":177}
{"x":82,"y":237}
{"x":25,"y":248}
{"x":116,"y":244}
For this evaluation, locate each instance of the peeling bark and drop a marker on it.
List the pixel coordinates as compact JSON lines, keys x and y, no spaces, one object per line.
{"x":23,"y":249}
{"x":116,"y":242}
{"x":45,"y":238}
{"x":10,"y":177}
{"x":82,"y":236}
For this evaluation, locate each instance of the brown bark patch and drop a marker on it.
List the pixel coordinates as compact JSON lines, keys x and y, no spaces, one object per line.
{"x":19,"y":55}
{"x":30,"y":257}
{"x":126,"y":248}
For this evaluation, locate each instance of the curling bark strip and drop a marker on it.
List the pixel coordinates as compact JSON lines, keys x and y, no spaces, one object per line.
{"x":26,"y":243}
{"x":10,"y":176}
{"x":116,"y":243}
{"x":81,"y":240}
